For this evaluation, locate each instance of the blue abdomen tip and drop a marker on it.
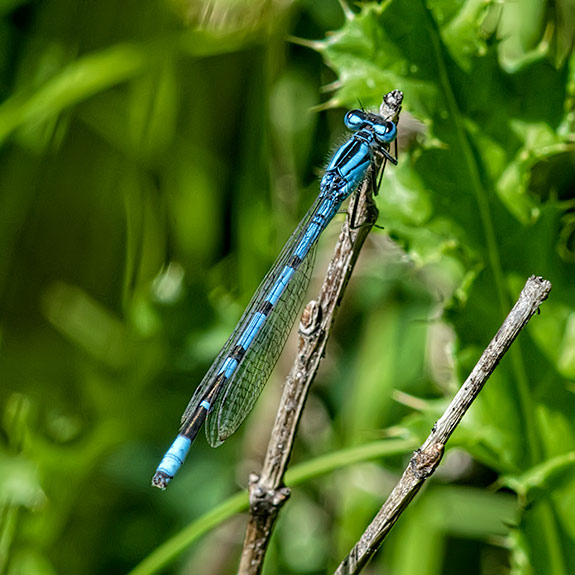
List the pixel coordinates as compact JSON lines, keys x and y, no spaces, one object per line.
{"x":172,"y":461}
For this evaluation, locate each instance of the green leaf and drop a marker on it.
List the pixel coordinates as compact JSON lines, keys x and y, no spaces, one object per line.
{"x":491,"y":186}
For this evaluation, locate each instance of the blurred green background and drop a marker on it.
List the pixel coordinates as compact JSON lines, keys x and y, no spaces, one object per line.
{"x":155,"y":157}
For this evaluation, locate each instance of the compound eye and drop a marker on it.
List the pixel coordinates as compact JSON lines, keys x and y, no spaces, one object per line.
{"x":355,"y":119}
{"x":386,"y":132}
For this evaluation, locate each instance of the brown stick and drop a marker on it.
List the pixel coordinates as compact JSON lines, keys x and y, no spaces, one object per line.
{"x":267,"y":491}
{"x":426,"y":459}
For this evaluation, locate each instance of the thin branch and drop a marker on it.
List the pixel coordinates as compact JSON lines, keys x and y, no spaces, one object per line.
{"x":426,"y":459}
{"x":267,"y":491}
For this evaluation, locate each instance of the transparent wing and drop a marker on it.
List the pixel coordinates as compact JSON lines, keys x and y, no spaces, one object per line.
{"x":301,"y":278}
{"x":244,"y":387}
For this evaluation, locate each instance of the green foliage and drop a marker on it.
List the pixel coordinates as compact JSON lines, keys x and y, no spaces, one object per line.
{"x":491,"y":189}
{"x":155,"y":158}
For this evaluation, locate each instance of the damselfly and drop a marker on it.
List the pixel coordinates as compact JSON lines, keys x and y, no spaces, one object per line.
{"x":235,"y":380}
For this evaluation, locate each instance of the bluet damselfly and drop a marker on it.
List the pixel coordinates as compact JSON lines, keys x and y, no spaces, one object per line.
{"x":235,"y":380}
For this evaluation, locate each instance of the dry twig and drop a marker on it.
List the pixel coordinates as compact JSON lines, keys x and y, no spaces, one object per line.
{"x":426,"y":459}
{"x":267,"y":491}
